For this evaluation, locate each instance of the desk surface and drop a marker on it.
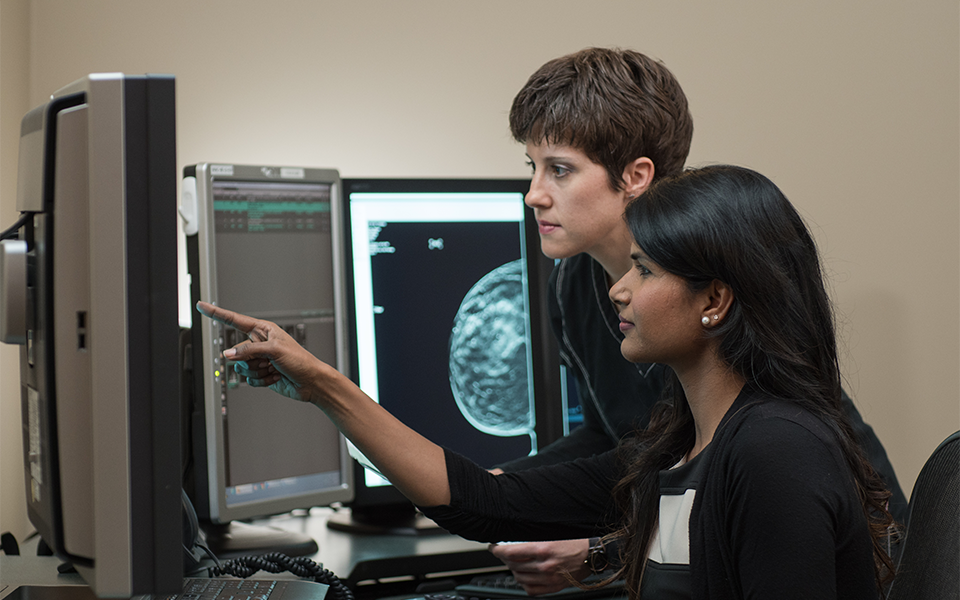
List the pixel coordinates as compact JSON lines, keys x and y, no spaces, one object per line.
{"x":16,"y":571}
{"x":362,"y":561}
{"x":357,"y":558}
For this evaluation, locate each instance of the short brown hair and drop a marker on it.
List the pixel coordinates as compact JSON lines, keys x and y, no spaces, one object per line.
{"x":615,"y":105}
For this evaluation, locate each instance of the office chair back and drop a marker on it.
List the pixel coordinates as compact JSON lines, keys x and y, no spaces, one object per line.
{"x":929,"y":566}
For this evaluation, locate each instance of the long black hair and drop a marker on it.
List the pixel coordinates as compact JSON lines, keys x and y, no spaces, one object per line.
{"x":734,"y":225}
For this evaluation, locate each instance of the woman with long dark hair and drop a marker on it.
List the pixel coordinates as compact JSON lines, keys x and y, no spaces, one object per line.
{"x":784,"y":485}
{"x":748,"y":483}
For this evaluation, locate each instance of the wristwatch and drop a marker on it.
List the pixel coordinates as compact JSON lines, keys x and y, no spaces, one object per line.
{"x":597,"y":556}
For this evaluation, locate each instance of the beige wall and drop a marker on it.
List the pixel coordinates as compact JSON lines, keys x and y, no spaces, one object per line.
{"x":853,"y":108}
{"x":14,"y":65}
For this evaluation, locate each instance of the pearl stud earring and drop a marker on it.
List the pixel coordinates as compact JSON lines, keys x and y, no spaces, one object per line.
{"x":705,"y":320}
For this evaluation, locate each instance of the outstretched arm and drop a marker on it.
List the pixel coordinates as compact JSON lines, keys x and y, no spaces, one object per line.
{"x":271,"y":358}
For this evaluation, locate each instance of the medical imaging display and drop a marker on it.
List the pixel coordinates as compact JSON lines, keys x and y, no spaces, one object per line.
{"x":452,"y":333}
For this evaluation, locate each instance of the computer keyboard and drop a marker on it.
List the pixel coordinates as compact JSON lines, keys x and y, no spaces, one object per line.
{"x":219,"y":588}
{"x":505,"y":587}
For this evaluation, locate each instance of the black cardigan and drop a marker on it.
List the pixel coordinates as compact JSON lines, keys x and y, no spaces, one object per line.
{"x":776,"y":516}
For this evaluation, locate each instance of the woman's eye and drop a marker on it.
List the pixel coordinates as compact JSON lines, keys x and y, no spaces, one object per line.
{"x":531,"y":166}
{"x":560,"y":171}
{"x":642,"y":269}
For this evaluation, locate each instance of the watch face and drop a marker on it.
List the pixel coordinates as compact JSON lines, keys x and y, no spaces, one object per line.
{"x":597,"y":557}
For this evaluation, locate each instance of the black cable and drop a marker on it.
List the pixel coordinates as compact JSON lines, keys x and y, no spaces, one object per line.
{"x":206,"y":550}
{"x":12,"y":231}
{"x":245,"y":566}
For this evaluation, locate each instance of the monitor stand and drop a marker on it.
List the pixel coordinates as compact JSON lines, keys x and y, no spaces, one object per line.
{"x":235,"y":539}
{"x":401,"y":519}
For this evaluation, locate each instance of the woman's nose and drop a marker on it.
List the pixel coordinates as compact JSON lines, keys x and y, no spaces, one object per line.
{"x":536,"y":197}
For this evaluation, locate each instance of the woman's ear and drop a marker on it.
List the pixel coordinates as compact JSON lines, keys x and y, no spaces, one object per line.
{"x":718,"y":298}
{"x":637,"y":176}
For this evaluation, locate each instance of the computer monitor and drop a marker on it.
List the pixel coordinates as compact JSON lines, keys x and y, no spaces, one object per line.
{"x":89,"y":283}
{"x":264,"y":241}
{"x":449,"y":334}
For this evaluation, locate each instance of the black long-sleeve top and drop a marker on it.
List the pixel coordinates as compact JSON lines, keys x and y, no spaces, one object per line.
{"x":775,"y":515}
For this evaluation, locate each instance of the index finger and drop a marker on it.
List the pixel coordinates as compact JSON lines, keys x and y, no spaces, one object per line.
{"x":240,"y":322}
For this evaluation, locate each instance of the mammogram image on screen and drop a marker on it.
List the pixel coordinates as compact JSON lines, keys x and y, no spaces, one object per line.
{"x":489,"y":374}
{"x":452,"y":350}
